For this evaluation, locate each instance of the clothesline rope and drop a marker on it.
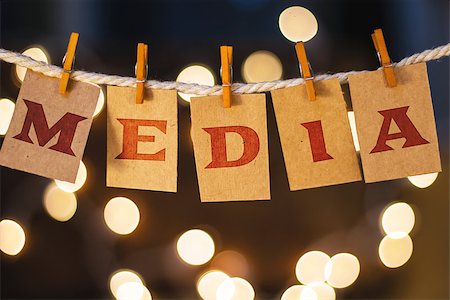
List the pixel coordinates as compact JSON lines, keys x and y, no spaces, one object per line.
{"x":196,"y":89}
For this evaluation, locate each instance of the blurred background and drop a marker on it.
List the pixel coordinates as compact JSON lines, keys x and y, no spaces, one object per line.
{"x":354,"y":241}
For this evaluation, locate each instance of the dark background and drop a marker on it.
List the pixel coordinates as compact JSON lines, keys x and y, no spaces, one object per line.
{"x":75,"y":259}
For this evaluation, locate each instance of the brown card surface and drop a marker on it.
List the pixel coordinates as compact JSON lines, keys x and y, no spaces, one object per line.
{"x":49,"y":131}
{"x":230,"y":147}
{"x":315,"y":136}
{"x":396,"y":127}
{"x":142,"y":140}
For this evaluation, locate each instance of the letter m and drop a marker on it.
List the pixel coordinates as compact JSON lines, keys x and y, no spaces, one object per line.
{"x":66,"y":127}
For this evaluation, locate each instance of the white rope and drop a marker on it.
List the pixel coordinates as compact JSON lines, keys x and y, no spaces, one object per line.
{"x":196,"y":89}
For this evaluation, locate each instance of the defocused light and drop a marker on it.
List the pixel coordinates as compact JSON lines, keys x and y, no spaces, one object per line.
{"x":262,"y":66}
{"x":351,"y":118}
{"x":231,"y":262}
{"x":398,"y":220}
{"x":79,"y":181}
{"x":235,"y":289}
{"x":298,"y":24}
{"x":100,"y":101}
{"x":342,"y":270}
{"x":209,"y":282}
{"x":395,"y":252}
{"x":195,"y":247}
{"x":195,"y":74}
{"x":299,"y":292}
{"x":311,"y":267}
{"x":121,"y":277}
{"x":323,"y":291}
{"x":59,"y":204}
{"x":121,"y":215}
{"x":12,"y":237}
{"x":133,"y":291}
{"x":6,"y":114}
{"x":37,"y":53}
{"x":423,"y":181}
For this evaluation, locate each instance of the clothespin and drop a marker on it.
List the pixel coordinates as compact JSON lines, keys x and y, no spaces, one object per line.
{"x":305,"y":70}
{"x":226,"y":59}
{"x":68,"y":61}
{"x":141,"y":71}
{"x":383,"y":56}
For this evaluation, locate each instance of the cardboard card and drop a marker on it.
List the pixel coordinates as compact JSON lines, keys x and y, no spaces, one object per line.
{"x":230,"y":147}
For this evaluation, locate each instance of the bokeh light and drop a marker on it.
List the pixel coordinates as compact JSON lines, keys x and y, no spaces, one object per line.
{"x":423,"y":181}
{"x":351,"y":119}
{"x":310,"y":267}
{"x":12,"y":237}
{"x":37,"y":53}
{"x":79,"y":181}
{"x":342,"y":270}
{"x":195,"y":247}
{"x":395,"y":252}
{"x":299,"y":292}
{"x":100,"y":101}
{"x":298,"y":24}
{"x":121,"y":277}
{"x":209,"y":282}
{"x":262,"y":66}
{"x":6,"y":113}
{"x":235,"y":288}
{"x":133,"y":291}
{"x":231,"y":262}
{"x":398,"y":220}
{"x":59,"y":204}
{"x":323,"y":291}
{"x":195,"y":74}
{"x":121,"y":215}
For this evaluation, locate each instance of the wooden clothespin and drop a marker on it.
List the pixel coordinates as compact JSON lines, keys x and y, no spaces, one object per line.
{"x":383,"y":56}
{"x":68,"y":61}
{"x":141,"y":71}
{"x":305,"y":70}
{"x":226,"y":59}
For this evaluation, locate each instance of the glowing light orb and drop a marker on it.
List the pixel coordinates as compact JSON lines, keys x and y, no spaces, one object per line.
{"x":235,"y":288}
{"x":121,"y":277}
{"x":59,"y":204}
{"x":298,"y":24}
{"x":100,"y":102}
{"x":398,"y":220}
{"x":195,"y":247}
{"x":395,"y":252}
{"x":79,"y":181}
{"x":262,"y":66}
{"x":12,"y":237}
{"x":195,"y":74}
{"x":299,"y":292}
{"x":133,"y":291}
{"x":6,"y":114}
{"x":351,"y":119}
{"x":209,"y":282}
{"x":342,"y":270}
{"x":37,"y":53}
{"x":423,"y":181}
{"x":323,"y":291}
{"x":121,"y":215}
{"x":310,"y":267}
{"x":231,"y":262}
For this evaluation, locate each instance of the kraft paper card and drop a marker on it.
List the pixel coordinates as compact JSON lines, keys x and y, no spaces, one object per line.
{"x":230,"y":147}
{"x":396,"y":127}
{"x":142,"y":140}
{"x":315,"y":136}
{"x":49,"y":131}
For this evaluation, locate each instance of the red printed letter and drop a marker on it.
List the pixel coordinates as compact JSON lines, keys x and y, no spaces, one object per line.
{"x":407,"y":130}
{"x":250,"y":140}
{"x":317,"y":141}
{"x":131,"y":138}
{"x":66,"y":127}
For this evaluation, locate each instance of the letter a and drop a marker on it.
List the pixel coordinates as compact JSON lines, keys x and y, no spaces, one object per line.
{"x":407,"y":130}
{"x":66,"y":126}
{"x":219,"y":146}
{"x":131,"y":139}
{"x":317,"y":141}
